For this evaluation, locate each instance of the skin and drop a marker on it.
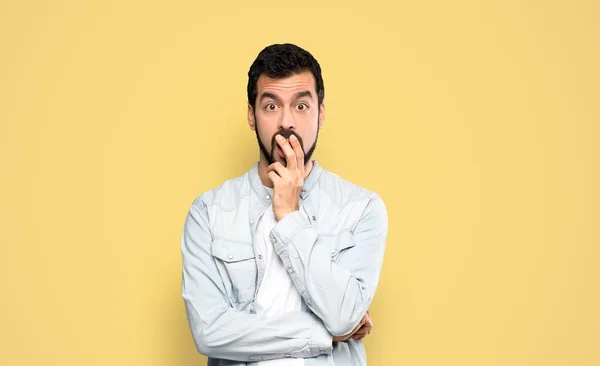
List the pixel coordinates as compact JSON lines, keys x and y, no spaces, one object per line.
{"x":290,"y":105}
{"x":278,"y":107}
{"x":362,"y":329}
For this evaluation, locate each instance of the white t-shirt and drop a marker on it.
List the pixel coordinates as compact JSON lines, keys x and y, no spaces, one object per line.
{"x":277,"y":293}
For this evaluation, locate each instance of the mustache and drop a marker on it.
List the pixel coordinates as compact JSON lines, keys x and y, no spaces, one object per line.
{"x":286,"y":134}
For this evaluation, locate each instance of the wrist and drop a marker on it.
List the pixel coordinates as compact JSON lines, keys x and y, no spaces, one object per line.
{"x":279,"y":216}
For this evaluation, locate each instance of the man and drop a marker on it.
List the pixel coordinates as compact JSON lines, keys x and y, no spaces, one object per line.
{"x":281,"y":264}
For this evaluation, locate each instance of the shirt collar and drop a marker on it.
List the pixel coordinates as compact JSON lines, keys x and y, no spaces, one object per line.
{"x":309,"y":182}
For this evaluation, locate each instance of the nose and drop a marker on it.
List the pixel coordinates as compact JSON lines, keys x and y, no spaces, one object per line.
{"x":287,"y":120}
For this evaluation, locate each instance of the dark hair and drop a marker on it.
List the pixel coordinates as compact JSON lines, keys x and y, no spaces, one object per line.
{"x":280,"y":61}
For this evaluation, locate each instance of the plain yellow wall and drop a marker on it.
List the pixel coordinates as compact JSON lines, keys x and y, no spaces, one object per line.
{"x":477,"y":122}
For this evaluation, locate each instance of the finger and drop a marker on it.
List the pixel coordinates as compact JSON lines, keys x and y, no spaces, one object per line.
{"x":279,"y":169}
{"x":369,"y":320}
{"x":365,"y":331}
{"x":298,"y":151}
{"x":361,"y":331}
{"x":365,"y":319}
{"x":358,"y":326}
{"x":273,"y":177}
{"x":359,"y":337}
{"x":290,"y":155}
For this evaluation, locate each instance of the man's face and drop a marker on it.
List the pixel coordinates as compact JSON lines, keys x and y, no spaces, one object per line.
{"x":286,"y":106}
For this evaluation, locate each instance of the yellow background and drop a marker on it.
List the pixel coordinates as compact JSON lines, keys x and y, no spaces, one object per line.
{"x":477,"y":122}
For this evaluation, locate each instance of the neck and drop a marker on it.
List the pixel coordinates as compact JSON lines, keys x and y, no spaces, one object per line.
{"x":263,"y":165}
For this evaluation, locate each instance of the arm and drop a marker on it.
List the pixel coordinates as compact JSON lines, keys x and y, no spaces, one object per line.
{"x":219,"y":331}
{"x":337,"y":292}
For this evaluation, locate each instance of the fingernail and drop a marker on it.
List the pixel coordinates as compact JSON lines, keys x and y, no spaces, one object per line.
{"x":278,"y":137}
{"x":293,"y":138}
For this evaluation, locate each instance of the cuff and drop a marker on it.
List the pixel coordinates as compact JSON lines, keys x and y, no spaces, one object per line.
{"x":319,"y":344}
{"x":287,"y":227}
{"x":321,"y":340}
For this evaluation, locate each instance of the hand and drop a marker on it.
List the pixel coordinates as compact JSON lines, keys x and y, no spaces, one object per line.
{"x":365,"y":329}
{"x":362,"y":329}
{"x":287,"y":180}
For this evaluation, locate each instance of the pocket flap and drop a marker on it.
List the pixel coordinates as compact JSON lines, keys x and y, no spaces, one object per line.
{"x":345,"y":240}
{"x":339,"y":242}
{"x":231,"y":251}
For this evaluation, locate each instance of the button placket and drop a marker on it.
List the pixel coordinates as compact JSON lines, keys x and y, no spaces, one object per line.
{"x":256,"y":212}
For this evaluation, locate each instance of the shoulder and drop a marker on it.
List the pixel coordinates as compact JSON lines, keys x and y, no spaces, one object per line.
{"x":343,"y":191}
{"x":227,"y":195}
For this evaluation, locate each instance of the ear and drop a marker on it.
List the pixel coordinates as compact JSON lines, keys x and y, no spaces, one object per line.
{"x":321,"y":115}
{"x":251,"y":121}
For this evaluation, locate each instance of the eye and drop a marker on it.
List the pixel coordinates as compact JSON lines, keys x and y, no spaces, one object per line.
{"x":302,"y":106}
{"x":271,"y":107}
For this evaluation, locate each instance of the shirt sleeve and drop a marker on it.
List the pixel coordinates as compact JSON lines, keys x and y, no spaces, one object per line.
{"x":338,"y":290}
{"x":220,"y":331}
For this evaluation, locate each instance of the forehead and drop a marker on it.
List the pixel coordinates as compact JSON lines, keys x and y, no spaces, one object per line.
{"x":287,"y":86}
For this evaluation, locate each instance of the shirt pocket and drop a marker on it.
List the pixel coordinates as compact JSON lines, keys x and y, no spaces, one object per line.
{"x":237,"y":265}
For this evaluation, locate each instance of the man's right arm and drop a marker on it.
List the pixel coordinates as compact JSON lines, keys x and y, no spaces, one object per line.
{"x":219,"y":331}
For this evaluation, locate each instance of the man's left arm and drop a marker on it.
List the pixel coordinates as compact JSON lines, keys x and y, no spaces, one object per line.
{"x":339,"y":292}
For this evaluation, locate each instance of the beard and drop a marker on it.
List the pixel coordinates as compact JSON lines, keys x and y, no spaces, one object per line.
{"x":270,"y":155}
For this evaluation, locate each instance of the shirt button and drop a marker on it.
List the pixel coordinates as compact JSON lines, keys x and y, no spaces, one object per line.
{"x":322,"y":351}
{"x":273,"y":240}
{"x":252,"y":221}
{"x":260,"y":256}
{"x":268,"y":197}
{"x":288,"y":355}
{"x":314,"y":218}
{"x":230,"y":256}
{"x":291,"y":270}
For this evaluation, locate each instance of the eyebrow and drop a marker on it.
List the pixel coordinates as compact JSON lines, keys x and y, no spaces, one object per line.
{"x":303,"y":94}
{"x":299,"y":95}
{"x":269,"y":95}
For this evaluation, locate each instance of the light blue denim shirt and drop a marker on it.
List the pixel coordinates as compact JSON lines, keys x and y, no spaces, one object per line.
{"x":334,"y":259}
